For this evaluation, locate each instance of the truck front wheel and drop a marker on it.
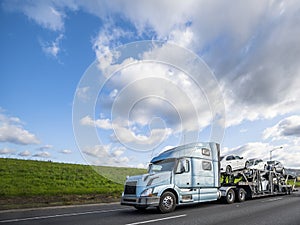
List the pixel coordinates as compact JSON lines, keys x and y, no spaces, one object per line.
{"x":167,"y":202}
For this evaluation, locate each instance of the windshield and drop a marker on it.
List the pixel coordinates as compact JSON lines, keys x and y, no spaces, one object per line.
{"x":162,"y":165}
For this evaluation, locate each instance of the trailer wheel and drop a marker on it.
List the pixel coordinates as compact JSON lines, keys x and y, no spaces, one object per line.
{"x":241,"y":195}
{"x":167,"y":202}
{"x":230,"y":196}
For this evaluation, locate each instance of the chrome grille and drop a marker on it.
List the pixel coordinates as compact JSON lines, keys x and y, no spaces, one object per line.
{"x":130,"y":188}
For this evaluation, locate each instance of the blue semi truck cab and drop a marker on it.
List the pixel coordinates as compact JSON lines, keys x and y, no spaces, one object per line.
{"x":182,"y":175}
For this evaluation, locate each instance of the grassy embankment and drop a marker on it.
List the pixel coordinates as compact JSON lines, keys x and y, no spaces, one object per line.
{"x":27,"y":183}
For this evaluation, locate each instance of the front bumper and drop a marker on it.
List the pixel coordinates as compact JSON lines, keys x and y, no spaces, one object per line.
{"x":140,"y":201}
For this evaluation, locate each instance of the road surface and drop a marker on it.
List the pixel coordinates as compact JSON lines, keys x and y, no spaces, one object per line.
{"x":277,"y":210}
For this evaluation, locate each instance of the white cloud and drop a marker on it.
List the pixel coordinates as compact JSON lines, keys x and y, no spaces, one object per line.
{"x":17,"y":135}
{"x":147,"y":16}
{"x":45,"y":13}
{"x":182,"y":37}
{"x":127,"y":135}
{"x":100,"y":123}
{"x":286,"y":128}
{"x":106,"y":155}
{"x":259,"y":81}
{"x":45,"y":147}
{"x":25,"y":153}
{"x":289,"y":156}
{"x":42,"y":154}
{"x":104,"y":43}
{"x":66,"y":151}
{"x":141,"y":166}
{"x":113,"y":93}
{"x":126,"y":132}
{"x":52,"y":48}
{"x":149,"y":90}
{"x":243,"y":130}
{"x":7,"y":151}
{"x":255,"y":57}
{"x":117,"y":152}
{"x":83,"y":93}
{"x":147,"y":102}
{"x":97,"y":151}
{"x":12,"y":131}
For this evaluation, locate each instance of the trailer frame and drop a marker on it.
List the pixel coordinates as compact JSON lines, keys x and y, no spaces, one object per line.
{"x":254,"y":183}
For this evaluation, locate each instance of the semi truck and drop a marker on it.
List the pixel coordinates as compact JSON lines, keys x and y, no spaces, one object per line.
{"x":190,"y":174}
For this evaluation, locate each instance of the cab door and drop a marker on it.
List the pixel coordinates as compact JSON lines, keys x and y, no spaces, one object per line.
{"x":183,"y":176}
{"x":183,"y":180}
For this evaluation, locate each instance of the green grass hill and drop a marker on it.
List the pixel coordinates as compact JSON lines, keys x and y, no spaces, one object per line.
{"x":49,"y":180}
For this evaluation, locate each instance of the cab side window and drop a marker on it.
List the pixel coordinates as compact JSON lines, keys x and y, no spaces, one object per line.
{"x":183,"y":166}
{"x":206,"y":165}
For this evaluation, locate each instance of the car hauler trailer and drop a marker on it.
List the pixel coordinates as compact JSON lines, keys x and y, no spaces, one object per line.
{"x":248,"y":184}
{"x":190,"y":174}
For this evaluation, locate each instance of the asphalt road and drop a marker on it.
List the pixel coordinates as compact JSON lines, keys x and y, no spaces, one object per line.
{"x":277,"y":210}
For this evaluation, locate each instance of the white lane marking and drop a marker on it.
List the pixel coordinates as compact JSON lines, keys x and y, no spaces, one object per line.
{"x":59,"y":215}
{"x":57,"y":207}
{"x":155,"y":220}
{"x":272,"y":200}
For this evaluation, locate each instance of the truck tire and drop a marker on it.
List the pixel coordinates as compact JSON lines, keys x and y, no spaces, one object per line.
{"x":140,"y":208}
{"x":230,"y":196}
{"x":167,"y":202}
{"x":240,"y":195}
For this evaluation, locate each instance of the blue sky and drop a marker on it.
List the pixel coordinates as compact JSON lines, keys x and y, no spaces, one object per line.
{"x":250,"y":85}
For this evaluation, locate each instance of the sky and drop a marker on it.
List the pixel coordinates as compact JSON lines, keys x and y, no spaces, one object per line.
{"x":117,"y":82}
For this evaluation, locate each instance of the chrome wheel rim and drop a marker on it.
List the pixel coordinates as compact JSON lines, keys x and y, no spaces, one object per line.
{"x":168,"y":202}
{"x":242,"y":195}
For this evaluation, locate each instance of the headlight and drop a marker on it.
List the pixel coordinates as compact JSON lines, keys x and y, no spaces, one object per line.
{"x":147,"y":193}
